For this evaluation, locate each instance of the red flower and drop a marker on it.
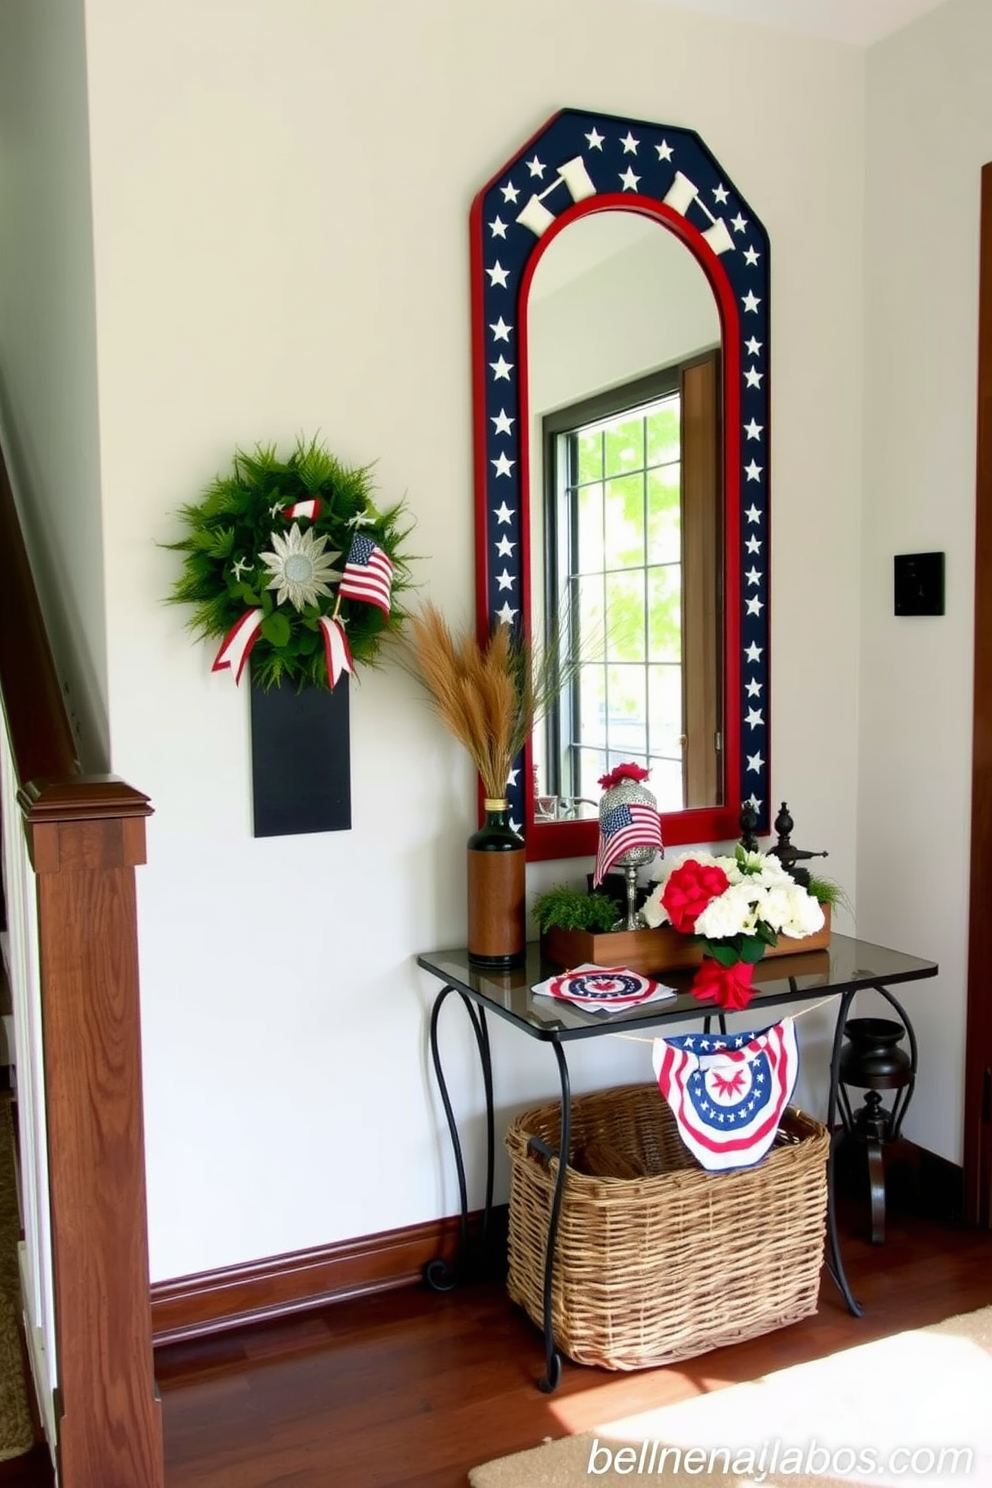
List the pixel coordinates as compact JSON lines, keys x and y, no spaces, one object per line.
{"x":689,"y":889}
{"x":728,"y":986}
{"x":623,"y":772}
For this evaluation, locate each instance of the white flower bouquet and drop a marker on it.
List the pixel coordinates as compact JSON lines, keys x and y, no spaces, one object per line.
{"x":736,"y":906}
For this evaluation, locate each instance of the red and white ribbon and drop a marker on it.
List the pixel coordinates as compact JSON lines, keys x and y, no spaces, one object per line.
{"x":309,"y":509}
{"x":336,"y":649}
{"x":237,"y":644}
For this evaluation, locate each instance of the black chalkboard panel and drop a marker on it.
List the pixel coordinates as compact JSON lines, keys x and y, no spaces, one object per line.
{"x":300,"y":760}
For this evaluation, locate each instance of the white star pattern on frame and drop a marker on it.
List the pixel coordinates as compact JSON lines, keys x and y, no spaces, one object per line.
{"x":575,"y":158}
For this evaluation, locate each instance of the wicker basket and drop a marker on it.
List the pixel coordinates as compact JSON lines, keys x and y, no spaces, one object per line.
{"x":654,"y":1269}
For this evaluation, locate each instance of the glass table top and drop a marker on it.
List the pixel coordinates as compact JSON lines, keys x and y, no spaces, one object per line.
{"x":844,"y":965}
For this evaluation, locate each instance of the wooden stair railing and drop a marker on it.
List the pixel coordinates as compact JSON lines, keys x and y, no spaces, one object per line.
{"x":85,"y":835}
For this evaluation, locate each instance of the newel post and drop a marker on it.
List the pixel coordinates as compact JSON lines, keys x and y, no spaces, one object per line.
{"x":85,"y":836}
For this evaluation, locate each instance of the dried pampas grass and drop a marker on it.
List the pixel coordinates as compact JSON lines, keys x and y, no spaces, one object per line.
{"x":488,"y":696}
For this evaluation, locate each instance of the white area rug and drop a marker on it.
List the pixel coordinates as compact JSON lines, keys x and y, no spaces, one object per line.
{"x":912,"y":1409}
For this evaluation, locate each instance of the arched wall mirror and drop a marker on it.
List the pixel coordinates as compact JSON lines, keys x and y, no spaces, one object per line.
{"x":620,"y":371}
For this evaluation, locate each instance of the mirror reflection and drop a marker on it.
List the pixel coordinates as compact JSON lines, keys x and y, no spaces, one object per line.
{"x":626,"y":511}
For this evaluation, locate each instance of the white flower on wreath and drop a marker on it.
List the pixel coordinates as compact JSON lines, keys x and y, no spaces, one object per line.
{"x":301,"y":570}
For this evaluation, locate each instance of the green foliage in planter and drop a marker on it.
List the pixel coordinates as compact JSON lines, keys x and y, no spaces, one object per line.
{"x":233,"y":526}
{"x":826,"y":892}
{"x":566,"y":908}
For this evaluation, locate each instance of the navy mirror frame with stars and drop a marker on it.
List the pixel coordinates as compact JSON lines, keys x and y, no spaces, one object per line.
{"x":579,"y":163}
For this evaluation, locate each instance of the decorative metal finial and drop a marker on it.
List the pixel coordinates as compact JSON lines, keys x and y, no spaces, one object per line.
{"x":788,"y":855}
{"x":748,"y":822}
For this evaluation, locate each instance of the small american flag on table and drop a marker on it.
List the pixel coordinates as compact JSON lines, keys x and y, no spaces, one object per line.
{"x":631,"y":824}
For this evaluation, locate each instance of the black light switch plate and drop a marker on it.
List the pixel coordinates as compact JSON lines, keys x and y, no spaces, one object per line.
{"x":919,"y":583}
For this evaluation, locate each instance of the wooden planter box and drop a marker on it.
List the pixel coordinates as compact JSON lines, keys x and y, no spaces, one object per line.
{"x":649,"y":951}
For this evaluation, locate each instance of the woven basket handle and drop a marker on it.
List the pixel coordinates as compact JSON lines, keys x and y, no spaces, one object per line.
{"x":538,"y":1145}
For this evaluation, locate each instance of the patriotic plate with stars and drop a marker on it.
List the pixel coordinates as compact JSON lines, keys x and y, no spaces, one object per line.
{"x":605,"y":989}
{"x":580,"y":163}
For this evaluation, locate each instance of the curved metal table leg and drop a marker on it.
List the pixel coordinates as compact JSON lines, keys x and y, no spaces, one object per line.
{"x":552,"y":1359}
{"x":835,"y":1263}
{"x":876,"y":1184}
{"x":439,"y":1274}
{"x":905,"y":1095}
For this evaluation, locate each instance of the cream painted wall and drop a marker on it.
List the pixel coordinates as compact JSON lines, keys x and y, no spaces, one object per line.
{"x":48,"y":399}
{"x":280,"y":202}
{"x":929,"y":132}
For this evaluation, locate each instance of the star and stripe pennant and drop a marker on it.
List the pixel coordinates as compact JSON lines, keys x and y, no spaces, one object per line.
{"x":728,"y":1092}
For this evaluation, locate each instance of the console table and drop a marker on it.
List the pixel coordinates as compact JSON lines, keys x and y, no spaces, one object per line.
{"x":846,"y":967}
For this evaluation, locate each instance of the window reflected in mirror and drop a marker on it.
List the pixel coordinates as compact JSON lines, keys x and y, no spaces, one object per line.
{"x":630,"y":527}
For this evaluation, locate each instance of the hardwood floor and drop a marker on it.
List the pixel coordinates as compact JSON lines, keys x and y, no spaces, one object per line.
{"x":412,"y":1388}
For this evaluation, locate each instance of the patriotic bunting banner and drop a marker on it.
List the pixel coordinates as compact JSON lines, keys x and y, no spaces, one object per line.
{"x":368,"y":573}
{"x":727,"y":1092}
{"x":631,"y":824}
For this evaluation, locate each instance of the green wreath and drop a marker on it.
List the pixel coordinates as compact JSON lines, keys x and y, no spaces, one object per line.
{"x":261,"y":559}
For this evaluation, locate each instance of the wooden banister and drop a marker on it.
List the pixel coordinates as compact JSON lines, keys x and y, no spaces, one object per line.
{"x":85,"y":836}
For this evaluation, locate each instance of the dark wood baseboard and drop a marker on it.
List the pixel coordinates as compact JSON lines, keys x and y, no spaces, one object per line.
{"x":211,"y":1301}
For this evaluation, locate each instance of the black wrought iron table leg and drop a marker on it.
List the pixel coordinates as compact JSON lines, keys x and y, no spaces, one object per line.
{"x":552,"y":1358}
{"x":835,"y":1262}
{"x":905,"y":1095}
{"x":439,"y":1274}
{"x":876,"y":1188}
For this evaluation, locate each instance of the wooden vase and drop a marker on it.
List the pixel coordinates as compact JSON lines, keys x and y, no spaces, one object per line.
{"x":496,"y":862}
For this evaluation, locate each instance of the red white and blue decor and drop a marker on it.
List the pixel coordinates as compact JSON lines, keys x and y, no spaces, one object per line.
{"x":581,"y":163}
{"x":603,"y":989}
{"x":728,"y":1092}
{"x":289,"y":564}
{"x":289,"y":561}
